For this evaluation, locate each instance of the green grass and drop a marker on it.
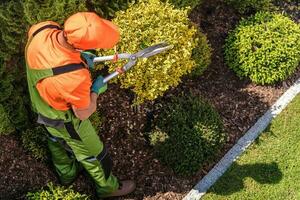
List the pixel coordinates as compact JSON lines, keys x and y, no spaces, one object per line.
{"x":270,"y":168}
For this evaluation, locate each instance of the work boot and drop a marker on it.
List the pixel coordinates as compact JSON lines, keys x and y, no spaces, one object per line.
{"x":125,"y":187}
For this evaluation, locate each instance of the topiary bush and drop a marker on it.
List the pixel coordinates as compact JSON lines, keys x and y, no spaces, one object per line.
{"x":56,"y":192}
{"x":244,"y":6}
{"x":265,"y":48}
{"x":186,"y":134}
{"x":34,"y":140}
{"x":147,"y":23}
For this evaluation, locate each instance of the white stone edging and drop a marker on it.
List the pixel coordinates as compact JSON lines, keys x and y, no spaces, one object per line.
{"x":243,"y":143}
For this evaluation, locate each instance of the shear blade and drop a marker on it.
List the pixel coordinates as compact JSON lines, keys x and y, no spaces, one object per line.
{"x":157,"y":51}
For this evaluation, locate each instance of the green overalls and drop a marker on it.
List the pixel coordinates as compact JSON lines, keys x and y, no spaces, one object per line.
{"x":72,"y":142}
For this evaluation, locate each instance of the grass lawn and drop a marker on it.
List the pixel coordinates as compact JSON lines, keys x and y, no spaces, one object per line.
{"x":270,"y":168}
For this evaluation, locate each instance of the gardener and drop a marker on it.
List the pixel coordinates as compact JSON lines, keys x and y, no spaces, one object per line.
{"x":63,"y":96}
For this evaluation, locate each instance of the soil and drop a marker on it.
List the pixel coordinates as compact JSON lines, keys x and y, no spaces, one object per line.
{"x":239,"y":102}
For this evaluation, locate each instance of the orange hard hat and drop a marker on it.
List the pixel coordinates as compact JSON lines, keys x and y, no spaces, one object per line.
{"x":86,"y":30}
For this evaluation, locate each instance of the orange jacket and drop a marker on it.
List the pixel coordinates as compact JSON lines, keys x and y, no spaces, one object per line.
{"x":61,"y":91}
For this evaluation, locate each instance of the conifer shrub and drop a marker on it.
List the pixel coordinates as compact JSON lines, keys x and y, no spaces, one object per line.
{"x":13,"y":29}
{"x":265,"y":48}
{"x":148,"y":23}
{"x":5,"y":126}
{"x":186,"y":134}
{"x":56,"y":192}
{"x":244,"y":6}
{"x":34,"y":140}
{"x":55,"y":10}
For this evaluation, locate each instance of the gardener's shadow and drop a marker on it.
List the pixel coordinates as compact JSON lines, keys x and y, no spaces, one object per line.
{"x":262,"y":173}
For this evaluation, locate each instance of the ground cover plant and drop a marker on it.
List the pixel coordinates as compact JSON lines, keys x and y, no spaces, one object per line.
{"x":270,"y":167}
{"x":151,"y":22}
{"x":56,"y":192}
{"x":265,"y":48}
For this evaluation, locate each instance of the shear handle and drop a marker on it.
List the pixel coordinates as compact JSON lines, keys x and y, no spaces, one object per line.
{"x":108,"y":58}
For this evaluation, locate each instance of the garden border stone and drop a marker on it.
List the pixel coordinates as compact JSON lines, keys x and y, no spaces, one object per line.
{"x":243,"y":143}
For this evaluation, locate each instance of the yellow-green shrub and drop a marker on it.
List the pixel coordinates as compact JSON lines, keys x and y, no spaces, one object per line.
{"x":264,"y":47}
{"x":147,"y":23}
{"x":55,"y":193}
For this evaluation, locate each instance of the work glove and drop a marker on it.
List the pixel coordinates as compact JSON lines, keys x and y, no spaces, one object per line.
{"x":99,"y":86}
{"x":88,"y":57}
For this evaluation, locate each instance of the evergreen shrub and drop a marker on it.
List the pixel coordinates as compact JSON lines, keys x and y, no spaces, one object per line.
{"x":244,"y":6}
{"x":5,"y":126}
{"x":56,"y":192}
{"x":147,"y":23}
{"x":187,"y":133}
{"x":265,"y":48}
{"x":34,"y":140}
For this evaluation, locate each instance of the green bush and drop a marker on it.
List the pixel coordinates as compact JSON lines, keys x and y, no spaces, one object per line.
{"x":184,"y":3}
{"x":34,"y":140}
{"x":56,"y":10}
{"x":201,"y":54}
{"x":265,"y":48}
{"x":244,"y":6}
{"x":13,"y":29}
{"x":107,"y":8}
{"x":5,"y":126}
{"x":55,"y":193}
{"x":147,"y":23}
{"x":186,"y":134}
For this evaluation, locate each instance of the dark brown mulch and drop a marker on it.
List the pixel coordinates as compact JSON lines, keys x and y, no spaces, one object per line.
{"x":239,"y":102}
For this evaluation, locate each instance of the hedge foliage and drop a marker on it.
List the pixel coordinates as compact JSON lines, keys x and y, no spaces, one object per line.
{"x":187,"y":134}
{"x":147,"y":23}
{"x":265,"y":48}
{"x":244,"y":6}
{"x":56,"y":193}
{"x":184,"y":3}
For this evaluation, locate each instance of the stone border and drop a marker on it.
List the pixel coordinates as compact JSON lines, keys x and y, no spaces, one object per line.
{"x":243,"y":143}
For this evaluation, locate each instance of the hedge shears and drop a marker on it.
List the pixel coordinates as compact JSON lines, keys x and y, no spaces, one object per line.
{"x":132,"y":58}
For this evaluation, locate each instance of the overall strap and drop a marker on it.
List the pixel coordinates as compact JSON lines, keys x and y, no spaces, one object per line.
{"x":46,"y":27}
{"x":44,"y":73}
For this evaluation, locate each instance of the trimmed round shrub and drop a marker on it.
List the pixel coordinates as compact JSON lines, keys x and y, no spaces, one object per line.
{"x":56,"y":192}
{"x":244,"y":6}
{"x":265,"y":48}
{"x":34,"y":140}
{"x":151,"y":22}
{"x":186,"y":134}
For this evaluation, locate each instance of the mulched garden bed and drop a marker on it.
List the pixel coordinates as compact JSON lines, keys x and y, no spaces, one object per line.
{"x":239,"y":102}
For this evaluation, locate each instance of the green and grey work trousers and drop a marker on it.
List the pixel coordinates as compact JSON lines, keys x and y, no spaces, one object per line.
{"x":77,"y":143}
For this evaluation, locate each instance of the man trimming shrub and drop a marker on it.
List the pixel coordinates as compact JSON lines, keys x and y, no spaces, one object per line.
{"x":150,"y":22}
{"x":187,"y":134}
{"x":264,"y":47}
